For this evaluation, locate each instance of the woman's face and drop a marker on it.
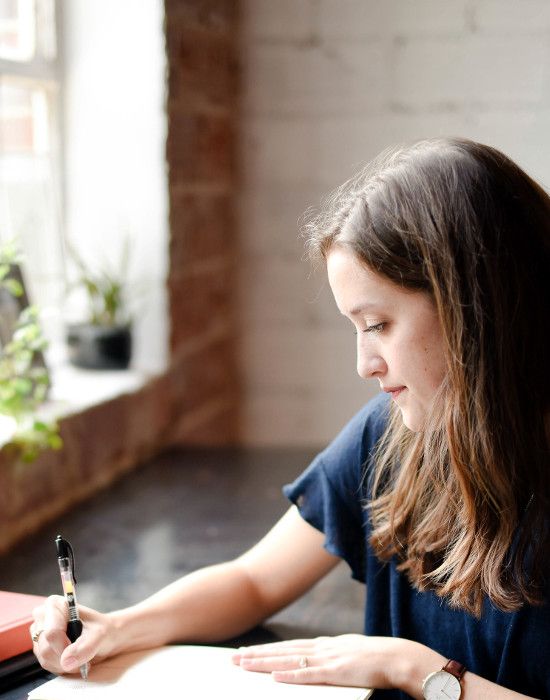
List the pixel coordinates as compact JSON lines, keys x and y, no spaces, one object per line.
{"x":399,"y":339}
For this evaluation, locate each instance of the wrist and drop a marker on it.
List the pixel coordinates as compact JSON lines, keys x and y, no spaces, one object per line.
{"x":415,"y":662}
{"x":137,"y":627}
{"x":118,"y":635}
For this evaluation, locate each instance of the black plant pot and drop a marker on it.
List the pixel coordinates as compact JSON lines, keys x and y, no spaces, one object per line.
{"x":99,"y":347}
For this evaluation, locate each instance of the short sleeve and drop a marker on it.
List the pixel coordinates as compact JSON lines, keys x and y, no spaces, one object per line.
{"x":330,"y":493}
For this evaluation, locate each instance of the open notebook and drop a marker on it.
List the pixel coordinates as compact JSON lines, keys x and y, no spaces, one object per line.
{"x":183,"y":672}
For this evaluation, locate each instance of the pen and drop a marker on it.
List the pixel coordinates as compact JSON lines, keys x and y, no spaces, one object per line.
{"x":65,"y":559}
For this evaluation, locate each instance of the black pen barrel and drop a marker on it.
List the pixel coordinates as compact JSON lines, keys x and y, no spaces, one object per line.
{"x":74,"y":630}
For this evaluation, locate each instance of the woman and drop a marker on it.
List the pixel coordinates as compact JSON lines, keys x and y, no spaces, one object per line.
{"x":437,"y":493}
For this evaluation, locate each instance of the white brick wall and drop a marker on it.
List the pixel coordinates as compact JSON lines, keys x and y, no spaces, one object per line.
{"x":332,"y":77}
{"x":327,"y":85}
{"x":361,"y":19}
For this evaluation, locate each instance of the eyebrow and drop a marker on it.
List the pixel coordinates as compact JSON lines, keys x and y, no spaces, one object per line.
{"x":367,"y":306}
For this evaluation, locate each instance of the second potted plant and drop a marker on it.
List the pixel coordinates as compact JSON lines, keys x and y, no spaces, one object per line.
{"x":104,"y":340}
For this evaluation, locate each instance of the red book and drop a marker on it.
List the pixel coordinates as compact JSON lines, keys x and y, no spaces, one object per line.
{"x":15,"y":620}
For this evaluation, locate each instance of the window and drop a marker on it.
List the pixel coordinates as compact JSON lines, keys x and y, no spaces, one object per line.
{"x":82,"y":156}
{"x":30,"y":190}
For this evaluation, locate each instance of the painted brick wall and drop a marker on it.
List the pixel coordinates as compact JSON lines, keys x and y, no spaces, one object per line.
{"x":327,"y":84}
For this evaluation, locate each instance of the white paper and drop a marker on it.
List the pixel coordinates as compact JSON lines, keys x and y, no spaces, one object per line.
{"x":183,"y":672}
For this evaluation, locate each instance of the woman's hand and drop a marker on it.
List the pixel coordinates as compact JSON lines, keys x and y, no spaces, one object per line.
{"x":54,"y":650}
{"x":350,"y":659}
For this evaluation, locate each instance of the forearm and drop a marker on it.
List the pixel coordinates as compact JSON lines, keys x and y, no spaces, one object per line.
{"x":418,"y":661}
{"x":209,"y":605}
{"x":222,"y":601}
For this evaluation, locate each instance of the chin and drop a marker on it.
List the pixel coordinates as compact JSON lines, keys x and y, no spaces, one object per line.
{"x":412,"y":421}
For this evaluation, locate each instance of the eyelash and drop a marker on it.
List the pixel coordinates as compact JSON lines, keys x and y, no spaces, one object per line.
{"x":375,"y":328}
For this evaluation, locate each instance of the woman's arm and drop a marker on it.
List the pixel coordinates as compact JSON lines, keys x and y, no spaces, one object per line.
{"x":224,"y":600}
{"x":212,"y":604}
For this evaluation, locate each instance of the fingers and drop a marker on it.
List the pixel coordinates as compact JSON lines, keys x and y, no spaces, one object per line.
{"x":82,"y":651}
{"x":52,"y":613}
{"x":316,"y":674}
{"x":267,"y":664}
{"x":52,"y":648}
{"x":290,"y":668}
{"x":295,"y":646}
{"x":295,"y":661}
{"x":49,"y":648}
{"x":276,"y":647}
{"x":49,"y":624}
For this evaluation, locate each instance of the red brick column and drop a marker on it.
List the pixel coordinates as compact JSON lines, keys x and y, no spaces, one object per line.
{"x":202,"y":48}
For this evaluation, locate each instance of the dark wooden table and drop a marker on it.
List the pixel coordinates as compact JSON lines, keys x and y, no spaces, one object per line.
{"x":179,"y":512}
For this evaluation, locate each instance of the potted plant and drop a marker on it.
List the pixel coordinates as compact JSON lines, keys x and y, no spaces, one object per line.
{"x":104,"y":339}
{"x":24,"y":379}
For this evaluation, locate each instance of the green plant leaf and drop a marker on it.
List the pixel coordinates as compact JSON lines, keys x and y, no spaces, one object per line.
{"x":14,"y":287}
{"x":23,"y":386}
{"x":55,"y":441}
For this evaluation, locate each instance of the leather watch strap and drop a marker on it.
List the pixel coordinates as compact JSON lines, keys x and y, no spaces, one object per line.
{"x":455,"y":668}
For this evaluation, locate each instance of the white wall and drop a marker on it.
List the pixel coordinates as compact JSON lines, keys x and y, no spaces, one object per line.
{"x":327,"y":85}
{"x":115,"y":128}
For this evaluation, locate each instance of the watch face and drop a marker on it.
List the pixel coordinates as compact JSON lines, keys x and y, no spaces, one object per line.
{"x":441,"y":686}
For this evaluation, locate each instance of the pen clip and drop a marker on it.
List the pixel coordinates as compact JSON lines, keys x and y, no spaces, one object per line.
{"x":65,"y":551}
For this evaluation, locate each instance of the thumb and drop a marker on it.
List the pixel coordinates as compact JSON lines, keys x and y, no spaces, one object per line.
{"x":79,"y":653}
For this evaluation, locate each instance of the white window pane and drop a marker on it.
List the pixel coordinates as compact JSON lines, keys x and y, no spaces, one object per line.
{"x":29,"y":201}
{"x":27,"y":30}
{"x":17,"y":29}
{"x":25,"y":119}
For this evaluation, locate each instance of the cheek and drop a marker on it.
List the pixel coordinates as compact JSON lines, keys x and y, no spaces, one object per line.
{"x":432,"y":360}
{"x":422,"y":363}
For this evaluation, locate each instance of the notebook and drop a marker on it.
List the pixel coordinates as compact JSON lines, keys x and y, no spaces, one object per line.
{"x":15,"y":620}
{"x":183,"y":672}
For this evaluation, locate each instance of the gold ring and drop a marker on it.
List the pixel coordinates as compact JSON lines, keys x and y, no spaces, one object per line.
{"x":35,"y":635}
{"x":303,"y":662}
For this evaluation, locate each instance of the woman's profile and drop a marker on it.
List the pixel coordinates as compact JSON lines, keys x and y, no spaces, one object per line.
{"x":437,"y":493}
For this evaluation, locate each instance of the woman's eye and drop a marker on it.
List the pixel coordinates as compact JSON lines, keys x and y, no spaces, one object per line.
{"x":375,"y":328}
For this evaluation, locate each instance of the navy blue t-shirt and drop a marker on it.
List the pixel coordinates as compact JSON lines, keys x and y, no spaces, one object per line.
{"x":511,"y":649}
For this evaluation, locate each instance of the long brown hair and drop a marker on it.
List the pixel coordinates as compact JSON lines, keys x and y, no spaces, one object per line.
{"x":464,"y":504}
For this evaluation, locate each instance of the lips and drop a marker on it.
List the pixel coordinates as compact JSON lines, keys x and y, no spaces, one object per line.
{"x":394,"y":390}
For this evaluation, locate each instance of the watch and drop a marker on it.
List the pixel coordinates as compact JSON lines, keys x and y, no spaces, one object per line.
{"x":444,"y":684}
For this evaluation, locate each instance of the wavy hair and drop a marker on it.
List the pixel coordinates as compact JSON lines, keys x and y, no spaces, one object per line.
{"x":464,"y":504}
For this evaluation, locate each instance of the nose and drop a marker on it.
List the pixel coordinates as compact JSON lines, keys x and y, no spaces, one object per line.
{"x":369,"y":362}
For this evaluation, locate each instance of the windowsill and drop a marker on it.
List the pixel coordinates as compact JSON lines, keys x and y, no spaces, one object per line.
{"x":73,"y":390}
